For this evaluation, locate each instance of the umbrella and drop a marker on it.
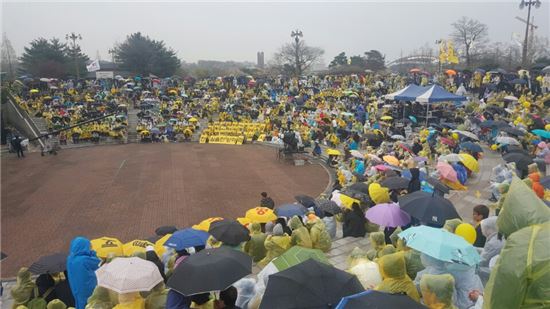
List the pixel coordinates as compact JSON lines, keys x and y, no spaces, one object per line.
{"x":415,"y":70}
{"x":546,"y":69}
{"x":290,"y":210}
{"x":405,"y":147}
{"x":374,"y":157}
{"x":210,"y":270}
{"x":386,"y":118}
{"x":541,"y":133}
{"x":428,"y":208}
{"x":507,"y":140}
{"x":491,"y":123}
{"x":446,"y":171}
{"x":473,"y":147}
{"x":467,"y":134}
{"x":440,"y":244}
{"x":395,"y":182}
{"x":128,"y":275}
{"x":513,"y":131}
{"x":469,"y":161}
{"x":452,"y":157}
{"x":297,"y":255}
{"x":310,"y":284}
{"x":377,"y":299}
{"x":167,"y":229}
{"x":334,"y":152}
{"x":420,"y":159}
{"x":413,"y":119}
{"x":359,"y":187}
{"x":305,"y":200}
{"x":357,"y":154}
{"x":205,"y":224}
{"x":516,"y":149}
{"x":450,"y":72}
{"x":391,"y":160}
{"x":229,"y":232}
{"x":49,"y":264}
{"x":446,"y":141}
{"x":329,"y":206}
{"x":105,"y":246}
{"x":343,"y":200}
{"x":510,"y":98}
{"x":137,"y":245}
{"x":186,"y":238}
{"x":397,"y":137}
{"x":389,"y":214}
{"x":519,"y":81}
{"x":260,"y":215}
{"x":438,"y":185}
{"x":159,"y":244}
{"x":521,"y":160}
{"x":407,"y":174}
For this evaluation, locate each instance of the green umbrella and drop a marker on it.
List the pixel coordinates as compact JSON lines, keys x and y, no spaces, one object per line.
{"x":297,"y":255}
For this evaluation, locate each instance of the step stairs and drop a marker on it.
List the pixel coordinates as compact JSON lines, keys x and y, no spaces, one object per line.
{"x":132,"y":125}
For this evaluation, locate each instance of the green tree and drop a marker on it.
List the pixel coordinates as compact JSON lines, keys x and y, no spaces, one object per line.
{"x":45,"y":58}
{"x":358,"y":61}
{"x":340,"y":59}
{"x":142,"y":55}
{"x":375,"y":60}
{"x":9,"y":59}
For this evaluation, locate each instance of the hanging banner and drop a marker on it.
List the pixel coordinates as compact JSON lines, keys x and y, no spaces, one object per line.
{"x":104,"y":74}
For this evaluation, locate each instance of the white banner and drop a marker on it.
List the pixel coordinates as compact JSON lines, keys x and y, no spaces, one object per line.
{"x":104,"y":75}
{"x":94,"y":66}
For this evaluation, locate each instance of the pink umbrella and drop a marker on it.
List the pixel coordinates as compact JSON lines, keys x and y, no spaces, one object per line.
{"x":447,"y":141}
{"x":382,"y":167}
{"x":446,"y":171}
{"x":389,"y":215}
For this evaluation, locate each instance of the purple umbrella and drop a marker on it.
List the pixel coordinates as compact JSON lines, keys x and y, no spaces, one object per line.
{"x":389,"y":215}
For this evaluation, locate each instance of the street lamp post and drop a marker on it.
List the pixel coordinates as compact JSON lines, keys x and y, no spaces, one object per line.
{"x":111,"y":52}
{"x":297,"y":34}
{"x":527,"y":3}
{"x":73,"y":37}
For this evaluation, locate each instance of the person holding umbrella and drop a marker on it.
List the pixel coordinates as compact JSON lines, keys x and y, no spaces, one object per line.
{"x":82,"y":263}
{"x":354,"y":222}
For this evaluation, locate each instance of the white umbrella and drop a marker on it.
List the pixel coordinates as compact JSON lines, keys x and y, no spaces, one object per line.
{"x":397,"y":136}
{"x":453,"y":157}
{"x":507,"y":140}
{"x":357,"y":154}
{"x":467,"y":134}
{"x":46,"y":80}
{"x":510,"y":98}
{"x":127,"y":275}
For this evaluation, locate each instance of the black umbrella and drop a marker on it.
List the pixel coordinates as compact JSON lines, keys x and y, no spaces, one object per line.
{"x":473,"y":147}
{"x":395,"y":182}
{"x":305,"y":200}
{"x":545,"y":182}
{"x":430,"y":209}
{"x":310,"y":284}
{"x":329,"y":206}
{"x":229,"y":232}
{"x":360,"y":187}
{"x":513,"y":131}
{"x":210,"y":270}
{"x":516,"y":149}
{"x":50,"y":264}
{"x":167,"y":229}
{"x":438,"y":185}
{"x":3,"y":256}
{"x":521,"y":160}
{"x":377,"y":299}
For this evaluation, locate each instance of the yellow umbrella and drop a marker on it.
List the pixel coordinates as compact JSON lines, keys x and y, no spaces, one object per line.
{"x":348,"y":201}
{"x":391,"y":160}
{"x":378,"y":194}
{"x":469,"y":161}
{"x":205,"y":224}
{"x":386,"y":118}
{"x":106,"y":245}
{"x":34,"y":91}
{"x":136,"y":245}
{"x":193,"y":119}
{"x":334,"y":152}
{"x":244,"y":221}
{"x":159,"y":244}
{"x":260,"y":215}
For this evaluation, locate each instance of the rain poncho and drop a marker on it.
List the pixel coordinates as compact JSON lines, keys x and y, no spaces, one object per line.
{"x":130,"y":301}
{"x":368,"y":274}
{"x":245,"y":291}
{"x":320,"y":238}
{"x":255,"y":246}
{"x":437,"y":291}
{"x":357,"y":256}
{"x":412,"y":262}
{"x":536,"y":186}
{"x":493,"y":245}
{"x":451,"y":224}
{"x":24,"y":288}
{"x":388,"y":249}
{"x":520,"y":277}
{"x":359,"y":167}
{"x":300,"y":234}
{"x":377,"y":243}
{"x":330,"y":225}
{"x":379,"y":194}
{"x":100,"y":299}
{"x":275,"y":246}
{"x":56,"y":304}
{"x":82,"y":263}
{"x":157,"y":298}
{"x":394,"y":275}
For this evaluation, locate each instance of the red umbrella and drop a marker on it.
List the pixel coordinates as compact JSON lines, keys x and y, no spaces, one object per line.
{"x":406,"y":148}
{"x":447,"y":141}
{"x":415,"y":70}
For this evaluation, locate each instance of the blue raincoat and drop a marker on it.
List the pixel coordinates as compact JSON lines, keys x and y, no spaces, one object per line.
{"x":461,"y":173}
{"x":82,"y":263}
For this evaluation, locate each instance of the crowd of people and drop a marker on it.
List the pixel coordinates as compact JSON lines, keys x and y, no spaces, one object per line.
{"x":384,"y":153}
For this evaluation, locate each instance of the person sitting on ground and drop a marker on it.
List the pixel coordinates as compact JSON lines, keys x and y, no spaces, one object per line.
{"x":437,"y":291}
{"x":255,"y":246}
{"x":394,"y":276}
{"x":24,"y":288}
{"x":480,"y":212}
{"x":267,"y":201}
{"x":377,"y":243}
{"x":320,"y":238}
{"x":157,"y":298}
{"x":275,"y":245}
{"x":330,"y":224}
{"x":354,"y":222}
{"x":130,"y":301}
{"x":300,"y":234}
{"x":100,"y":299}
{"x":202,"y":301}
{"x":228,"y":298}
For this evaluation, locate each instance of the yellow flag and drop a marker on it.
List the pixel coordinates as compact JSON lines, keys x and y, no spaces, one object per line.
{"x":451,"y":57}
{"x":442,"y":52}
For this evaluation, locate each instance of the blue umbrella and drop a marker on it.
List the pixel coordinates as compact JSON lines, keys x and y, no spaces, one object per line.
{"x":413,"y":119}
{"x":541,"y":133}
{"x":440,"y":244}
{"x":290,"y":210}
{"x":377,"y":299}
{"x":407,"y":174}
{"x":187,"y":238}
{"x":473,"y":147}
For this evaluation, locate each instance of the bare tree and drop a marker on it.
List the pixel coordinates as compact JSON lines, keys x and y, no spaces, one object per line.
{"x":469,"y":34}
{"x":297,"y":57}
{"x":8,"y":61}
{"x":539,"y":47}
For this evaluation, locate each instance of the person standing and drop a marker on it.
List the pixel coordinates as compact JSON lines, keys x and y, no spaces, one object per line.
{"x":267,"y":201}
{"x":16,"y":144}
{"x":82,"y":263}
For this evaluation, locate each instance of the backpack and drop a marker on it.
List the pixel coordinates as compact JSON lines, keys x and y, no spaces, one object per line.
{"x":39,"y":302}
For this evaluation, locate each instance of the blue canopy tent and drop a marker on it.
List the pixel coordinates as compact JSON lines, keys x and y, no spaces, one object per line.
{"x":408,"y":93}
{"x":436,"y":94}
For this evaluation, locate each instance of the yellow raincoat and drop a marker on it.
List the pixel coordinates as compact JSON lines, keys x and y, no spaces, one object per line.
{"x":24,"y":287}
{"x":100,"y":299}
{"x":320,"y":238}
{"x":255,"y":246}
{"x":437,"y":291}
{"x":377,"y":243}
{"x":300,"y":234}
{"x":275,"y":246}
{"x":130,"y":301}
{"x":395,"y":279}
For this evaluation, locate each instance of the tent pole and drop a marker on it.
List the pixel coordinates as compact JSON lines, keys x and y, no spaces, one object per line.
{"x":427,"y":109}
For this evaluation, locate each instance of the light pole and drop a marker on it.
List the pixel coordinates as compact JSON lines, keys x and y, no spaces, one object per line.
{"x":73,"y":37}
{"x":111,"y":52}
{"x":297,"y":34}
{"x":527,"y":3}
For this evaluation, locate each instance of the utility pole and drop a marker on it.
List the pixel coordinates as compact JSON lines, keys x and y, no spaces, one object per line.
{"x":111,"y":52}
{"x":297,"y":34}
{"x":527,"y":3}
{"x":73,"y":37}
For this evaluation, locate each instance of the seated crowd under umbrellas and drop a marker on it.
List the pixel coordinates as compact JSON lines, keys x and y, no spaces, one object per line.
{"x":393,"y":175}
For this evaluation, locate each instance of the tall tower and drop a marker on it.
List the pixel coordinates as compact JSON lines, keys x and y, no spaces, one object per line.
{"x":260,"y":56}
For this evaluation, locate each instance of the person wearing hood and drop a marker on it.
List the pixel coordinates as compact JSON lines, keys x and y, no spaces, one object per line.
{"x":175,"y":300}
{"x":100,"y":299}
{"x":377,"y":243}
{"x":56,"y":304}
{"x":451,"y":224}
{"x":535,"y":184}
{"x":300,"y":234}
{"x":245,"y":291}
{"x":437,"y":291}
{"x":82,"y":263}
{"x":130,"y":301}
{"x":330,"y":224}
{"x":255,"y":246}
{"x":275,"y":245}
{"x":24,"y":288}
{"x":520,"y":277}
{"x":492,"y":247}
{"x":414,"y":183}
{"x":394,"y":276}
{"x":282,"y":222}
{"x":354,"y":222}
{"x":320,"y":238}
{"x":157,"y":298}
{"x":50,"y":290}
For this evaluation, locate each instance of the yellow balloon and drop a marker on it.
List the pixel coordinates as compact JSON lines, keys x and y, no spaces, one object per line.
{"x":455,"y":136}
{"x":547,"y":127}
{"x":466,"y":231}
{"x":494,"y":147}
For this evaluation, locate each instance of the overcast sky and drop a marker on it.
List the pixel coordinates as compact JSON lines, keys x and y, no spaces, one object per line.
{"x":237,"y":30}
